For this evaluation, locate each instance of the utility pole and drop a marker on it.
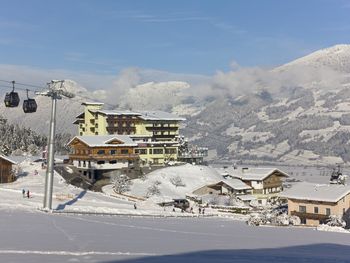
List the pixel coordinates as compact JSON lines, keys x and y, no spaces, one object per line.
{"x":55,"y":92}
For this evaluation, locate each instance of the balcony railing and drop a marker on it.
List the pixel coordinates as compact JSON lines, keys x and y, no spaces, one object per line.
{"x":309,"y":215}
{"x":103,"y":157}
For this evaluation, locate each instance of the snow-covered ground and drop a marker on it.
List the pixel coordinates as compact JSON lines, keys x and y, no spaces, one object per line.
{"x":192,"y":177}
{"x":30,"y":235}
{"x":67,"y":198}
{"x":40,"y":237}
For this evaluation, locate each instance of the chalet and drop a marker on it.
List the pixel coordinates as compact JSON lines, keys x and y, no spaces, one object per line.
{"x":266,"y":183}
{"x":314,"y":203}
{"x":230,"y":186}
{"x":93,"y":155}
{"x":6,"y":170}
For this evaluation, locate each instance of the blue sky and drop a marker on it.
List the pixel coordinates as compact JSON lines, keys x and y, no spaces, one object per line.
{"x":190,"y":37}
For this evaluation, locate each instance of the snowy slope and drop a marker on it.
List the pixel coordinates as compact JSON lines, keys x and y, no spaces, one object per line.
{"x":192,"y":176}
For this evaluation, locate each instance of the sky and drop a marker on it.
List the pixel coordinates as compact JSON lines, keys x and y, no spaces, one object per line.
{"x":102,"y":38}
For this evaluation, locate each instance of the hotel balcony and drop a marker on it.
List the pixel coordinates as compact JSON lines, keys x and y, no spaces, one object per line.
{"x":102,"y":157}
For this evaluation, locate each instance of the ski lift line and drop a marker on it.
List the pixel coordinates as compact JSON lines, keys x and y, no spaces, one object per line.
{"x":22,"y":84}
{"x":16,"y":88}
{"x":303,"y":159}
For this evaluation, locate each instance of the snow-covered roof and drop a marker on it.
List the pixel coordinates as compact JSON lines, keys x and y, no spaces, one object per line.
{"x":93,"y":103}
{"x":104,"y":140}
{"x":317,"y":192}
{"x":160,"y":115}
{"x":113,"y":112}
{"x":145,"y":115}
{"x":252,"y":174}
{"x":235,"y":183}
{"x":7,"y":159}
{"x":246,"y":197}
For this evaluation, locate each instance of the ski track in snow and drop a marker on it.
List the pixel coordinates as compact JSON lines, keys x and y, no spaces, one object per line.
{"x":148,"y":228}
{"x":60,"y":229}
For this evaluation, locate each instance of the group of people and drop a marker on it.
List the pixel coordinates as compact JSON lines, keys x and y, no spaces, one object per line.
{"x":200,"y":210}
{"x":25,"y":193}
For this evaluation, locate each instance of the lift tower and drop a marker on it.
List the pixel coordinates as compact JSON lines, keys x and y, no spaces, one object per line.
{"x":55,"y":91}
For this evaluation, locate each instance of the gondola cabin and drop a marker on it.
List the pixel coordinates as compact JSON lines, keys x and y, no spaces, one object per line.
{"x":11,"y":99}
{"x":29,"y":106}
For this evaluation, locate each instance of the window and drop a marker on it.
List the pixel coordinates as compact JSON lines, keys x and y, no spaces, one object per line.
{"x":100,"y":162}
{"x":303,"y":221}
{"x":84,"y":163}
{"x":316,"y":210}
{"x":124,"y":151}
{"x":150,"y":151}
{"x":113,"y":161}
{"x":302,"y":209}
{"x":158,"y":151}
{"x":113,"y":152}
{"x":101,"y":152}
{"x":79,"y":163}
{"x":170,"y":151}
{"x":328,"y":211}
{"x":141,"y":151}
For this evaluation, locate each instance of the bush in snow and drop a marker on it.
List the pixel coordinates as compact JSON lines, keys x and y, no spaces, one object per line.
{"x":177,"y":181}
{"x":294,"y":220}
{"x":256,"y":220}
{"x":214,"y":200}
{"x":334,"y":220}
{"x":282,"y":220}
{"x":121,"y":183}
{"x":153,"y":189}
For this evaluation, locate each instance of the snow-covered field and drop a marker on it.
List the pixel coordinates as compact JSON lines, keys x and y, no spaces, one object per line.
{"x":30,"y":235}
{"x":40,"y":237}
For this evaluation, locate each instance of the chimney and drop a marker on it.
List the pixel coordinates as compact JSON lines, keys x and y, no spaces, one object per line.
{"x":244,"y":169}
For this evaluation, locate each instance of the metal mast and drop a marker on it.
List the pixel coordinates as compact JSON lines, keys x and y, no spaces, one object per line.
{"x":55,"y":91}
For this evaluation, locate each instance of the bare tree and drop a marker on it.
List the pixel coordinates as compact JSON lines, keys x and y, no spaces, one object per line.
{"x":177,"y":181}
{"x":121,"y":183}
{"x":153,"y":189}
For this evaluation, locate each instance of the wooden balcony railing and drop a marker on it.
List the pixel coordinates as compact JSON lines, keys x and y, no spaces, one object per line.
{"x":102,"y":157}
{"x":309,"y":215}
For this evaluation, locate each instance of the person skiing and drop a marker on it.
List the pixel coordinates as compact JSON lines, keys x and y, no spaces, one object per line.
{"x":28,"y":194}
{"x":23,"y":193}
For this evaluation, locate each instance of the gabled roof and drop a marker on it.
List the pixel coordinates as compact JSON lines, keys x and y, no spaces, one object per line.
{"x":104,"y":140}
{"x":252,"y":174}
{"x":317,"y":192}
{"x":7,"y":159}
{"x":235,"y":183}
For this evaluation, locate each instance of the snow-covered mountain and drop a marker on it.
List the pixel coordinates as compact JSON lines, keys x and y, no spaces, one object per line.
{"x":304,"y":119}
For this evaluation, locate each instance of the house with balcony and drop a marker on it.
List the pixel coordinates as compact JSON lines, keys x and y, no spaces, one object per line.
{"x":94,"y":155}
{"x":314,"y":203}
{"x":155,"y":132}
{"x":266,"y":183}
